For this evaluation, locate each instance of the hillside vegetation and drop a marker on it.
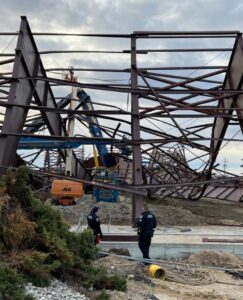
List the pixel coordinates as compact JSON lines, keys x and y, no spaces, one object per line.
{"x":36,"y":245}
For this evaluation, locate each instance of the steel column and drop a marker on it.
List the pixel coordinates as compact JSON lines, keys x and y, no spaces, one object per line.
{"x":137,"y":157}
{"x":20,"y":93}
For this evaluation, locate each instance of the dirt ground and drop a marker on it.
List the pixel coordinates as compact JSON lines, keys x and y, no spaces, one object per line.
{"x":215,"y":211}
{"x":168,"y":211}
{"x":142,"y":287}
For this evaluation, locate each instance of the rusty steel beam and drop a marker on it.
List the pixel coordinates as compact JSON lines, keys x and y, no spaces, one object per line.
{"x":211,"y":240}
{"x":142,"y":69}
{"x":176,"y":33}
{"x":20,"y":93}
{"x":138,"y":51}
{"x":137,"y":156}
{"x":185,"y":82}
{"x":27,"y":64}
{"x":119,"y":238}
{"x":82,"y":34}
{"x":162,"y":34}
{"x":182,"y":77}
{"x":233,"y":80}
{"x":183,"y":50}
{"x":6,"y":61}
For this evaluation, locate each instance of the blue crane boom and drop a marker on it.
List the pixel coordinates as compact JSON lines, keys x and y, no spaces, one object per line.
{"x":106,"y":157}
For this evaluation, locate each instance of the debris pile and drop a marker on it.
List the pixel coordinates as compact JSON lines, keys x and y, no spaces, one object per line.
{"x":169,"y":215}
{"x":215,"y":258}
{"x":120,"y":265}
{"x":120,"y":213}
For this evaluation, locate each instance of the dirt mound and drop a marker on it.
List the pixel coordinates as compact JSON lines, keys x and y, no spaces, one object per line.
{"x":169,"y":215}
{"x":215,"y":258}
{"x":120,"y":251}
{"x":120,"y":265}
{"x":120,"y":213}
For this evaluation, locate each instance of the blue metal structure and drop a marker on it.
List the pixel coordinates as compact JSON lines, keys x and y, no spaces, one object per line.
{"x":106,"y":176}
{"x":107,"y":160}
{"x":38,"y":143}
{"x":105,"y":157}
{"x":27,"y":143}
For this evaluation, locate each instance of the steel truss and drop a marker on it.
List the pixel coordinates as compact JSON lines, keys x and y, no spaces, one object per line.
{"x":162,"y":98}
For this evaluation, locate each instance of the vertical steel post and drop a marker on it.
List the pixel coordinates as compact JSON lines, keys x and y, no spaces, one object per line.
{"x":137,"y":157}
{"x":71,"y":122}
{"x":15,"y":116}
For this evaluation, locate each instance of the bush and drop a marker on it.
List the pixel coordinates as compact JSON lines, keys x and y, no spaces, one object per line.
{"x":37,"y":269}
{"x":83,"y":245}
{"x":103,"y":296}
{"x":43,"y":243}
{"x":99,"y":279}
{"x":12,"y":285}
{"x":16,"y":228}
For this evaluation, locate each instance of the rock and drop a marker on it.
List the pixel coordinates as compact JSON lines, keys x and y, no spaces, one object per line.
{"x":56,"y":291}
{"x":150,"y":297}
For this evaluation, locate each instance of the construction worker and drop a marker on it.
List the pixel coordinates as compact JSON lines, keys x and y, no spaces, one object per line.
{"x":94,"y":223}
{"x":146,"y":226}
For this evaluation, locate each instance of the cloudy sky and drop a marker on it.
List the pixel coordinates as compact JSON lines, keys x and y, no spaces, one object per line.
{"x":124,"y":16}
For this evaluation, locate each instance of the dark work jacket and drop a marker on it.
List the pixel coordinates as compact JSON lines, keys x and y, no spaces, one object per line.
{"x":94,"y":223}
{"x":146,"y":223}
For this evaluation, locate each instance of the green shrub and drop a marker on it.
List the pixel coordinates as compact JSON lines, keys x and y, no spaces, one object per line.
{"x":99,"y":279}
{"x":48,"y":248}
{"x":15,"y":182}
{"x":12,"y":285}
{"x":38,"y":268}
{"x":82,"y":244}
{"x":103,"y":296}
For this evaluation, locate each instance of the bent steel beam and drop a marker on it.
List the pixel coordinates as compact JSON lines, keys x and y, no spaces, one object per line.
{"x":233,"y":80}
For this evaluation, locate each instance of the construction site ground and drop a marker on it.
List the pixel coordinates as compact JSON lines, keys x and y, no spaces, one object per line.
{"x":216,"y":285}
{"x":179,"y":222}
{"x":168,"y":212}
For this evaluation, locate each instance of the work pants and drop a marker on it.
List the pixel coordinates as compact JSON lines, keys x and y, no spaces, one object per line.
{"x":144,"y":242}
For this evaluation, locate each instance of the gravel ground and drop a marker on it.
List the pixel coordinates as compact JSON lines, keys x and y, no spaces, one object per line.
{"x":56,"y":291}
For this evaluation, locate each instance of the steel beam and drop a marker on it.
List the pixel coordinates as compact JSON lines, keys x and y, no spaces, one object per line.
{"x":28,"y":68}
{"x":20,"y":93}
{"x":233,"y":80}
{"x":137,"y":157}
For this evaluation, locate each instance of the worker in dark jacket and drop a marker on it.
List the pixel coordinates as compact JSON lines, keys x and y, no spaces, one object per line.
{"x":94,"y":224}
{"x":146,"y":226}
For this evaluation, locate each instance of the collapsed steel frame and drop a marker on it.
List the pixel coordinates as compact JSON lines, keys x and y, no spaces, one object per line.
{"x":160,"y":95}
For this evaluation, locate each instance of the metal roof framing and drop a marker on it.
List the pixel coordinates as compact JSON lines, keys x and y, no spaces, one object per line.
{"x":160,"y":95}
